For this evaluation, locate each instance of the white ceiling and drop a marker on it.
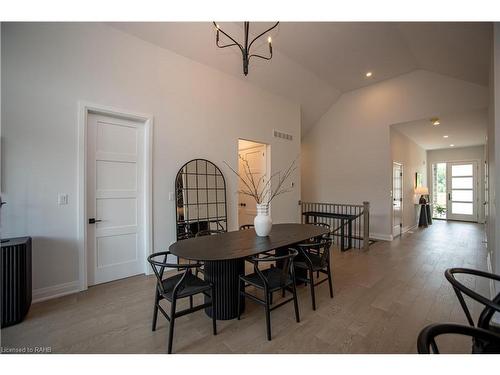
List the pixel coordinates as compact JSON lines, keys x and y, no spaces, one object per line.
{"x":463,"y":129}
{"x":315,"y":62}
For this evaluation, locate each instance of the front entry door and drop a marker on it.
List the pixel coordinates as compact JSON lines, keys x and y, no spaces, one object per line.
{"x":397,"y":199}
{"x":115,"y":198}
{"x":462,"y":191}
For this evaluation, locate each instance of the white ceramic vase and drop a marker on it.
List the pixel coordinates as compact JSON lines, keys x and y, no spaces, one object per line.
{"x":262,"y":221}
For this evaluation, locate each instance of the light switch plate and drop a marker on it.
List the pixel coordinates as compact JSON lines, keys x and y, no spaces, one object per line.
{"x":62,"y":199}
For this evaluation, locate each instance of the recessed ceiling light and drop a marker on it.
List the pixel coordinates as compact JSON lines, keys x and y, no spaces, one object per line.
{"x":435,"y":121}
{"x":445,"y":136}
{"x":368,"y":74}
{"x":452,"y":145}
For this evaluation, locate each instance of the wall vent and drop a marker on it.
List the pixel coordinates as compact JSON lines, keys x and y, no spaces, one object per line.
{"x":282,"y":135}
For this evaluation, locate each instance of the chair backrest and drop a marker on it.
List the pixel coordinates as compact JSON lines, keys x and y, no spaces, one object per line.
{"x":246,"y":226}
{"x":209,"y":232}
{"x":158,"y":262}
{"x":484,"y":341}
{"x":321,"y":245}
{"x":285,"y":260}
{"x":490,"y":305}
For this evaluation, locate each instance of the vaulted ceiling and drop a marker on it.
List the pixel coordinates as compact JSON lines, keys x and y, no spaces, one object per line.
{"x":315,"y":62}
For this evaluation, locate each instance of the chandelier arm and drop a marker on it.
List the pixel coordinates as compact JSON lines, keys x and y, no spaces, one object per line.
{"x":227,"y":45}
{"x":261,"y":57}
{"x":258,"y":36}
{"x":228,"y":36}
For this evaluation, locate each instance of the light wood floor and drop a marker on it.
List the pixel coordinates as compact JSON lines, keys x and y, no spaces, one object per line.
{"x":383,"y":298}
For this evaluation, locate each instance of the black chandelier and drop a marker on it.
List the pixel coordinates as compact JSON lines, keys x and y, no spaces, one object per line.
{"x":245,"y":48}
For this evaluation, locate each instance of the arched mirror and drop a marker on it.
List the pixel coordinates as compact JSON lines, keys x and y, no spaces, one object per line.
{"x":200,"y":190}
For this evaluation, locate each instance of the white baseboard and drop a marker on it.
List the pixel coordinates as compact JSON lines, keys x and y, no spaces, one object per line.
{"x":54,"y":291}
{"x":381,"y":236}
{"x":409,"y":227}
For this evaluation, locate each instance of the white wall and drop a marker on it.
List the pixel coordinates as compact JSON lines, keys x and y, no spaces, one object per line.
{"x":494,"y":157}
{"x":475,"y":153}
{"x":198,"y":112}
{"x":346,"y":156}
{"x":413,"y":157}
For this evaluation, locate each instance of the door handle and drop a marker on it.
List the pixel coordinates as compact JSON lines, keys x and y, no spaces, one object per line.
{"x":93,"y":220}
{"x":449,"y":196}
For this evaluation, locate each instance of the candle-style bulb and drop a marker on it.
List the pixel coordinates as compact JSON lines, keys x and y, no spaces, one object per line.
{"x":269,"y":40}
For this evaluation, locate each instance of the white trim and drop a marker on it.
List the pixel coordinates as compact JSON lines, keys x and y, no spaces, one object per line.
{"x":83,"y":109}
{"x":495,"y":319}
{"x":409,"y":227}
{"x":392,"y":199}
{"x":381,"y":236}
{"x":54,"y":291}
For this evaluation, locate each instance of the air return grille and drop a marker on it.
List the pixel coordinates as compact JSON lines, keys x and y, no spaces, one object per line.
{"x":282,"y":135}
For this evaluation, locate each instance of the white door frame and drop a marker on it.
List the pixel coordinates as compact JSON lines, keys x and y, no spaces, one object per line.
{"x":476,"y":187}
{"x":402,"y":199}
{"x":84,"y":108}
{"x":479,"y":178}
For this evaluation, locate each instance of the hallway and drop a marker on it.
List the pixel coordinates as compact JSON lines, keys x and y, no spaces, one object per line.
{"x":383,"y":298}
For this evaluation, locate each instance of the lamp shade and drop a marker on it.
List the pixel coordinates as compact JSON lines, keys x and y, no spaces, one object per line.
{"x":422,"y":190}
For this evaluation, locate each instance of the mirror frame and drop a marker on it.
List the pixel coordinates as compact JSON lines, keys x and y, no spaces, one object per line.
{"x":188,"y":228}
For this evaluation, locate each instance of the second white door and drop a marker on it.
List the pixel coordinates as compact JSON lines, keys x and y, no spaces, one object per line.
{"x":257,"y":161}
{"x":115,"y":198}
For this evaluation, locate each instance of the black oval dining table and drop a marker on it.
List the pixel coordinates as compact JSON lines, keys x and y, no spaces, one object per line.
{"x":224,"y":257}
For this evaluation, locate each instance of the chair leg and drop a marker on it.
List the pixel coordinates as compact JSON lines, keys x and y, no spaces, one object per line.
{"x":268,"y":315}
{"x":283,"y":292}
{"x":190,"y":302}
{"x":214,"y":311}
{"x":239,"y":298}
{"x":295,"y":302}
{"x":313,"y":297}
{"x":330,"y":279}
{"x":155,"y":310}
{"x":171,"y":327}
{"x":271,"y":298}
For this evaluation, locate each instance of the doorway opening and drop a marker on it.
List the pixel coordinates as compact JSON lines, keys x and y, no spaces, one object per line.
{"x":397,"y":199}
{"x":454,"y":190}
{"x":257,"y":156}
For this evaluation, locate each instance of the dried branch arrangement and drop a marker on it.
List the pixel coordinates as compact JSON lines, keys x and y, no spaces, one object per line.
{"x":261,"y":189}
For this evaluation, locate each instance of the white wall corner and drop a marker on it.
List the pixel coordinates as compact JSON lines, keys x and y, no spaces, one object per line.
{"x":54,"y":291}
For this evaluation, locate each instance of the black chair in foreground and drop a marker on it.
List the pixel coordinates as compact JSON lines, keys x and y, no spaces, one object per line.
{"x":181,"y":285}
{"x":314,"y":257}
{"x":491,"y":305}
{"x":270,"y":280}
{"x":484,"y":342}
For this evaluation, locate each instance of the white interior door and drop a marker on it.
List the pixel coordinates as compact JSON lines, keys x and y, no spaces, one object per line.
{"x":461,"y":184}
{"x":397,"y":199}
{"x":257,"y":160}
{"x":115,"y":198}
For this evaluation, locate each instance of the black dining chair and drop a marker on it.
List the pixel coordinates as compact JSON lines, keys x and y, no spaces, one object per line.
{"x":483,"y":341}
{"x":183,"y":284}
{"x":490,"y":305}
{"x":270,"y":280}
{"x":314,"y":257}
{"x":246,"y":226}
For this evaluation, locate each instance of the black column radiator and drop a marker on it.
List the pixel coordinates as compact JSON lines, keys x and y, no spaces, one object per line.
{"x":16,"y":279}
